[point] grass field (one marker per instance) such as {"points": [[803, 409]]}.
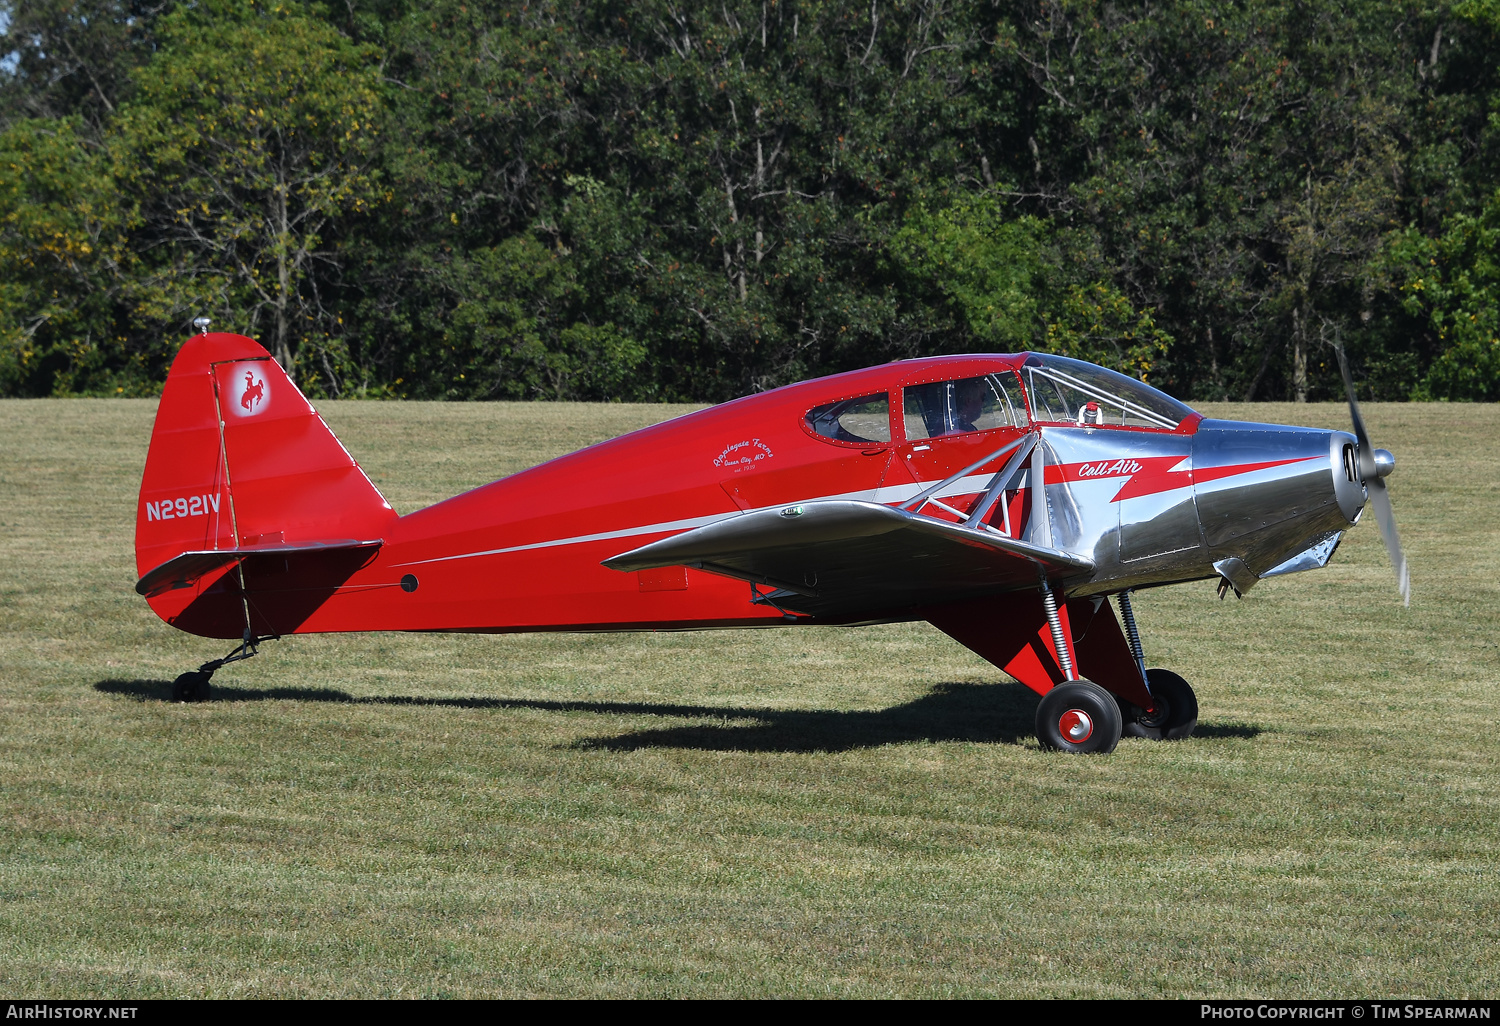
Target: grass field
{"points": [[812, 812]]}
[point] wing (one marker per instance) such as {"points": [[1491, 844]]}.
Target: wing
{"points": [[182, 570], [839, 557]]}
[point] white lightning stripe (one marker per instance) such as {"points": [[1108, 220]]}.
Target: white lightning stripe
{"points": [[578, 539], [885, 496]]}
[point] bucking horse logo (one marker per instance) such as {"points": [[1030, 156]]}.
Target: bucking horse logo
{"points": [[255, 391]]}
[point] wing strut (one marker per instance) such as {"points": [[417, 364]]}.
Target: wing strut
{"points": [[997, 486], [974, 519], [1041, 516], [916, 502]]}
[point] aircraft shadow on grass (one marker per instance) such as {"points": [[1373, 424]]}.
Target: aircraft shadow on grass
{"points": [[980, 713]]}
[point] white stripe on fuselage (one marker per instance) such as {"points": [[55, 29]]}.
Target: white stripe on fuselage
{"points": [[884, 496]]}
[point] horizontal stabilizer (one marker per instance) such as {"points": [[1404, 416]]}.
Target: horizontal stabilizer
{"points": [[184, 570], [841, 557]]}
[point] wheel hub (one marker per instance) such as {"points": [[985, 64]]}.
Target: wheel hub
{"points": [[1157, 715], [1076, 725]]}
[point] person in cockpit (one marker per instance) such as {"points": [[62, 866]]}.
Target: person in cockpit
{"points": [[968, 404]]}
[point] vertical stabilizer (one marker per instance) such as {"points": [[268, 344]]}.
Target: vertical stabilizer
{"points": [[240, 459]]}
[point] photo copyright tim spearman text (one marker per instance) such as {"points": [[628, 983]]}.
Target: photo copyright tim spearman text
{"points": [[1374, 1010]]}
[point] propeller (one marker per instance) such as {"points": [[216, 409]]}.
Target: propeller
{"points": [[1374, 465]]}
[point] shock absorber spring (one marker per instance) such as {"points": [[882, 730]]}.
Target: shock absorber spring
{"points": [[1059, 640], [1133, 635]]}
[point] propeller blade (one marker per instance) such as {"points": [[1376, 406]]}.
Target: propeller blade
{"points": [[1366, 450], [1386, 518], [1380, 498]]}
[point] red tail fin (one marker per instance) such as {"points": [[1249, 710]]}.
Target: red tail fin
{"points": [[240, 459]]}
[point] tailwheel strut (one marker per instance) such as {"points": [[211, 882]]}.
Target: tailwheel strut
{"points": [[193, 686], [1076, 715]]}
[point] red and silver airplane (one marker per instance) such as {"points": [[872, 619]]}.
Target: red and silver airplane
{"points": [[1002, 498]]}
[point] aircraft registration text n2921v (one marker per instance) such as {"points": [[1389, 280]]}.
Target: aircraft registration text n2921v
{"points": [[182, 506], [1015, 501]]}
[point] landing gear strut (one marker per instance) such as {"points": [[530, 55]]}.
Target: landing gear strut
{"points": [[1077, 715], [1175, 712], [193, 685]]}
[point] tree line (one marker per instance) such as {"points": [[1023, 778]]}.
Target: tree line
{"points": [[658, 200]]}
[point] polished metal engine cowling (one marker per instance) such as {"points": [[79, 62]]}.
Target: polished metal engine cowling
{"points": [[1267, 493]]}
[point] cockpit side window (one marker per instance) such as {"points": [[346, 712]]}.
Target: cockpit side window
{"points": [[1010, 386], [1059, 402], [865, 419], [967, 404]]}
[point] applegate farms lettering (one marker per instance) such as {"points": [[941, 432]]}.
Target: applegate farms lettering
{"points": [[739, 454]]}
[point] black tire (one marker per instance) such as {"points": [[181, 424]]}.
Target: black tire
{"points": [[1078, 716], [1176, 714], [192, 686]]}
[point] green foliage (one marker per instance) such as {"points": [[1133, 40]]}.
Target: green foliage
{"points": [[1097, 323], [72, 57], [600, 200], [1452, 285], [989, 268], [64, 265], [511, 332], [251, 131], [1007, 285]]}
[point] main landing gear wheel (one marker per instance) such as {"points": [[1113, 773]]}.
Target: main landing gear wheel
{"points": [[192, 686], [1176, 712], [1078, 716]]}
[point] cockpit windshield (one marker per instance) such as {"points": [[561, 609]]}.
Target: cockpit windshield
{"points": [[1074, 392]]}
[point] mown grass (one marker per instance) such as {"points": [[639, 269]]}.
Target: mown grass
{"points": [[804, 812]]}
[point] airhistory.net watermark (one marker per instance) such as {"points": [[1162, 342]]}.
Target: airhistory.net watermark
{"points": [[57, 1010]]}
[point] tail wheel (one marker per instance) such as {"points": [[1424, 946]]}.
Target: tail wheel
{"points": [[192, 686], [1078, 716], [1175, 714]]}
